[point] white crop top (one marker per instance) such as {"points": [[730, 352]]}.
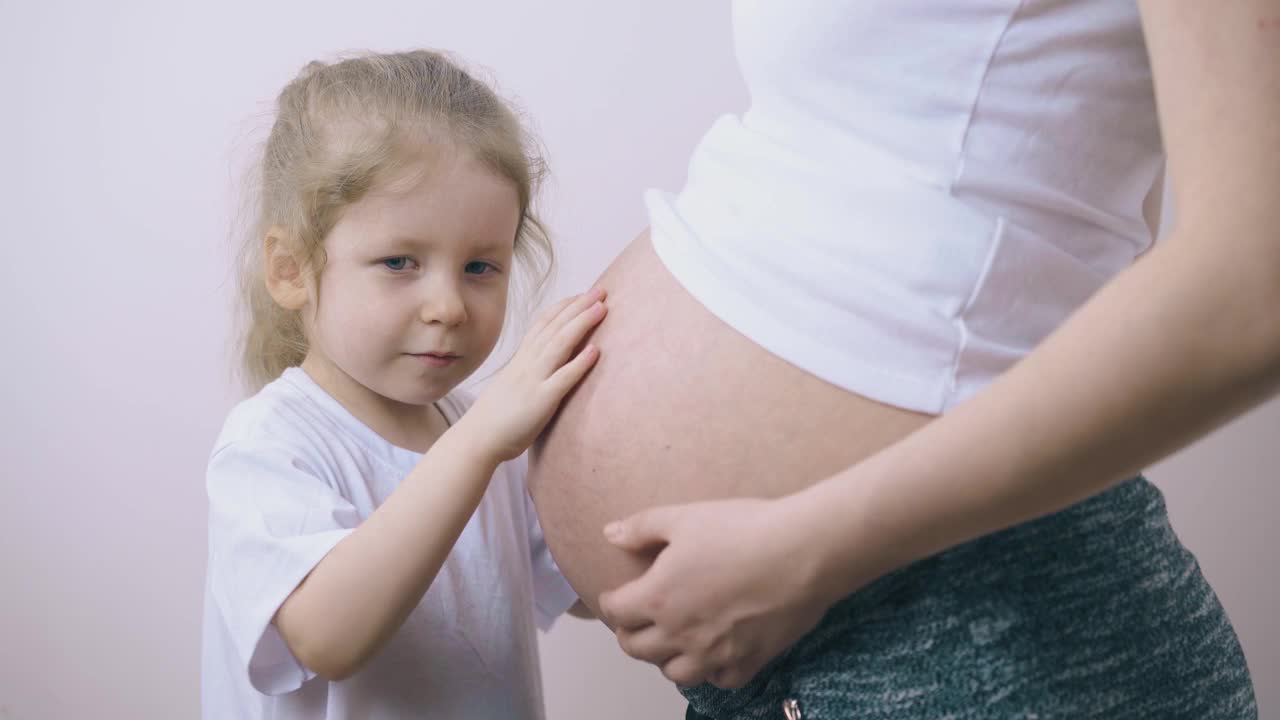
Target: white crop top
{"points": [[920, 191]]}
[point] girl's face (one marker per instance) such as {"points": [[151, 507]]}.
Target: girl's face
{"points": [[413, 293]]}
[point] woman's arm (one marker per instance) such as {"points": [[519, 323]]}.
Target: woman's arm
{"points": [[1176, 345], [1183, 341]]}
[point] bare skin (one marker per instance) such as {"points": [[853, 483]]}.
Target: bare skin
{"points": [[679, 408]]}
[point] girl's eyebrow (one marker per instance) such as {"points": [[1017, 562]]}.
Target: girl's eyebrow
{"points": [[400, 242], [410, 242]]}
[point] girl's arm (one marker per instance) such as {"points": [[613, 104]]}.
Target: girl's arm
{"points": [[362, 591], [1176, 345]]}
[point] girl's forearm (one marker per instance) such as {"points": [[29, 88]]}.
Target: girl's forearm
{"points": [[1179, 343], [361, 592]]}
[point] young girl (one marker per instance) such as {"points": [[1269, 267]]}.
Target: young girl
{"points": [[372, 549]]}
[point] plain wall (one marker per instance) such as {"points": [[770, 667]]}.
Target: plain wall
{"points": [[124, 129]]}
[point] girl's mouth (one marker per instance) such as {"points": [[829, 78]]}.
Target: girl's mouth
{"points": [[436, 359]]}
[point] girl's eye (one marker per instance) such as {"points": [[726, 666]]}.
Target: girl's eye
{"points": [[477, 267], [397, 263]]}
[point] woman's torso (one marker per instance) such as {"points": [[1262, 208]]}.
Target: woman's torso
{"points": [[918, 194], [681, 407]]}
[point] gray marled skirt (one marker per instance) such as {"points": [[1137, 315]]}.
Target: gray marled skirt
{"points": [[1097, 611]]}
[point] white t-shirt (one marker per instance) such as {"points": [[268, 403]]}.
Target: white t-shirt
{"points": [[920, 191], [291, 475]]}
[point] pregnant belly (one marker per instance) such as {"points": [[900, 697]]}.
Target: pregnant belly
{"points": [[681, 407]]}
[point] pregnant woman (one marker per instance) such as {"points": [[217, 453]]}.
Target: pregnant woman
{"points": [[877, 383]]}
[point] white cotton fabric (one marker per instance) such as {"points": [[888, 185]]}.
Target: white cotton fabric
{"points": [[292, 474], [919, 191]]}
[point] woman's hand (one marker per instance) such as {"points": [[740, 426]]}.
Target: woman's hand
{"points": [[521, 399], [732, 587]]}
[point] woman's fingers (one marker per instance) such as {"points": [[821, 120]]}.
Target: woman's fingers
{"points": [[686, 671], [646, 529], [627, 607], [733, 677], [649, 644]]}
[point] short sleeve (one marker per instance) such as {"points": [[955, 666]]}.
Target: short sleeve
{"points": [[552, 594], [271, 520]]}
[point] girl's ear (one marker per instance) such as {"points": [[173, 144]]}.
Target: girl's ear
{"points": [[285, 280]]}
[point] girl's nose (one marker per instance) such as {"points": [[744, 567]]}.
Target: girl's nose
{"points": [[443, 304]]}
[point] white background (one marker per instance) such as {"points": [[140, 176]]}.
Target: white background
{"points": [[124, 130]]}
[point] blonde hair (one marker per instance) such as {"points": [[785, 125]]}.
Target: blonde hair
{"points": [[339, 130]]}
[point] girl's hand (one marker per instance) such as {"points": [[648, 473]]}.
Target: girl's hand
{"points": [[521, 399], [733, 586]]}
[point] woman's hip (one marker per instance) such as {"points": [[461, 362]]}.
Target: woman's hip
{"points": [[1097, 611]]}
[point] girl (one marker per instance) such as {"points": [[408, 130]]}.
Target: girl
{"points": [[372, 549]]}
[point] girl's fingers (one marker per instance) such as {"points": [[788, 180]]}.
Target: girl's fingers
{"points": [[571, 373], [545, 317], [567, 313], [569, 336]]}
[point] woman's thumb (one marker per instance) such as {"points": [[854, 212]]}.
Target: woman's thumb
{"points": [[641, 530]]}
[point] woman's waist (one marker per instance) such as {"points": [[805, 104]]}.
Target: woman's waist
{"points": [[1021, 584]]}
